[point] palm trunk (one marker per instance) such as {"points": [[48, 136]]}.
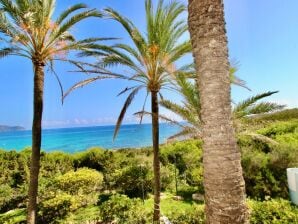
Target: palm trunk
{"points": [[223, 180], [156, 163], [36, 142]]}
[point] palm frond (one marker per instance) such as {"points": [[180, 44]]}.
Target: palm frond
{"points": [[242, 109], [68, 11], [84, 83], [51, 66], [132, 30], [180, 110], [7, 51], [127, 103], [67, 25], [186, 132], [265, 107]]}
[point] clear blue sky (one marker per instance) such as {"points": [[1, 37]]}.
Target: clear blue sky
{"points": [[262, 37]]}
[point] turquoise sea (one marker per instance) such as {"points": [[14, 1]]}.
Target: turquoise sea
{"points": [[81, 138]]}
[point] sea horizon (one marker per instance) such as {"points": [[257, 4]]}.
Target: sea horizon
{"points": [[75, 139]]}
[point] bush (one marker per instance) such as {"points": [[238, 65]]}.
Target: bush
{"points": [[55, 163], [66, 193], [50, 211], [272, 212], [194, 177], [124, 210], [134, 180], [82, 181], [94, 158], [265, 173], [16, 216], [195, 216], [280, 128]]}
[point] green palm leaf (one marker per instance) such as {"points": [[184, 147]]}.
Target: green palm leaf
{"points": [[127, 103]]}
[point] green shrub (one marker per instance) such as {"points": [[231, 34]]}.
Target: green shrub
{"points": [[194, 177], [273, 212], [50, 211], [82, 181], [94, 158], [55, 163], [124, 210], [16, 216], [265, 173], [167, 177], [182, 154], [194, 216], [134, 180], [187, 191], [280, 128], [6, 194]]}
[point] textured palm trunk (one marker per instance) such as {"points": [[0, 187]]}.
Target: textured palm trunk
{"points": [[156, 163], [36, 141], [223, 180]]}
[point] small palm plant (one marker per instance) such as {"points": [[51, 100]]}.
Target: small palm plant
{"points": [[189, 110], [151, 62], [29, 30]]}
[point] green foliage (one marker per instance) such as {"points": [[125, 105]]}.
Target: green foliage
{"points": [[134, 180], [82, 181], [186, 156], [284, 115], [94, 158], [194, 216], [67, 188], [280, 128], [67, 193], [183, 155], [153, 54], [15, 166], [272, 212], [264, 168], [251, 106], [13, 178], [124, 210], [90, 214], [56, 208], [55, 163], [16, 216]]}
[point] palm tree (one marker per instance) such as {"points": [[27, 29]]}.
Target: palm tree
{"points": [[189, 110], [28, 30], [151, 61], [223, 179]]}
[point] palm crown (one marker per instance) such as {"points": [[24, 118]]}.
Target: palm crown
{"points": [[29, 30], [152, 57]]}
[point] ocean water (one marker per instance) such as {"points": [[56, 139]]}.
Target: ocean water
{"points": [[81, 138]]}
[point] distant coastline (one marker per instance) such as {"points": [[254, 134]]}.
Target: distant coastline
{"points": [[5, 128]]}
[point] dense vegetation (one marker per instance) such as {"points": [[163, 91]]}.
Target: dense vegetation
{"points": [[109, 185]]}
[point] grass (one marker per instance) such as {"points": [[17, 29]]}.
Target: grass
{"points": [[168, 204]]}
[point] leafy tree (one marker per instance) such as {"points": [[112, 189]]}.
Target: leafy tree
{"points": [[29, 30]]}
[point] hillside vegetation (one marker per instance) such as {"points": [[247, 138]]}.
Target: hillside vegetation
{"points": [[108, 185]]}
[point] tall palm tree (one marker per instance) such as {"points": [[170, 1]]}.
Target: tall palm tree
{"points": [[151, 62], [29, 30], [189, 110], [223, 179]]}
